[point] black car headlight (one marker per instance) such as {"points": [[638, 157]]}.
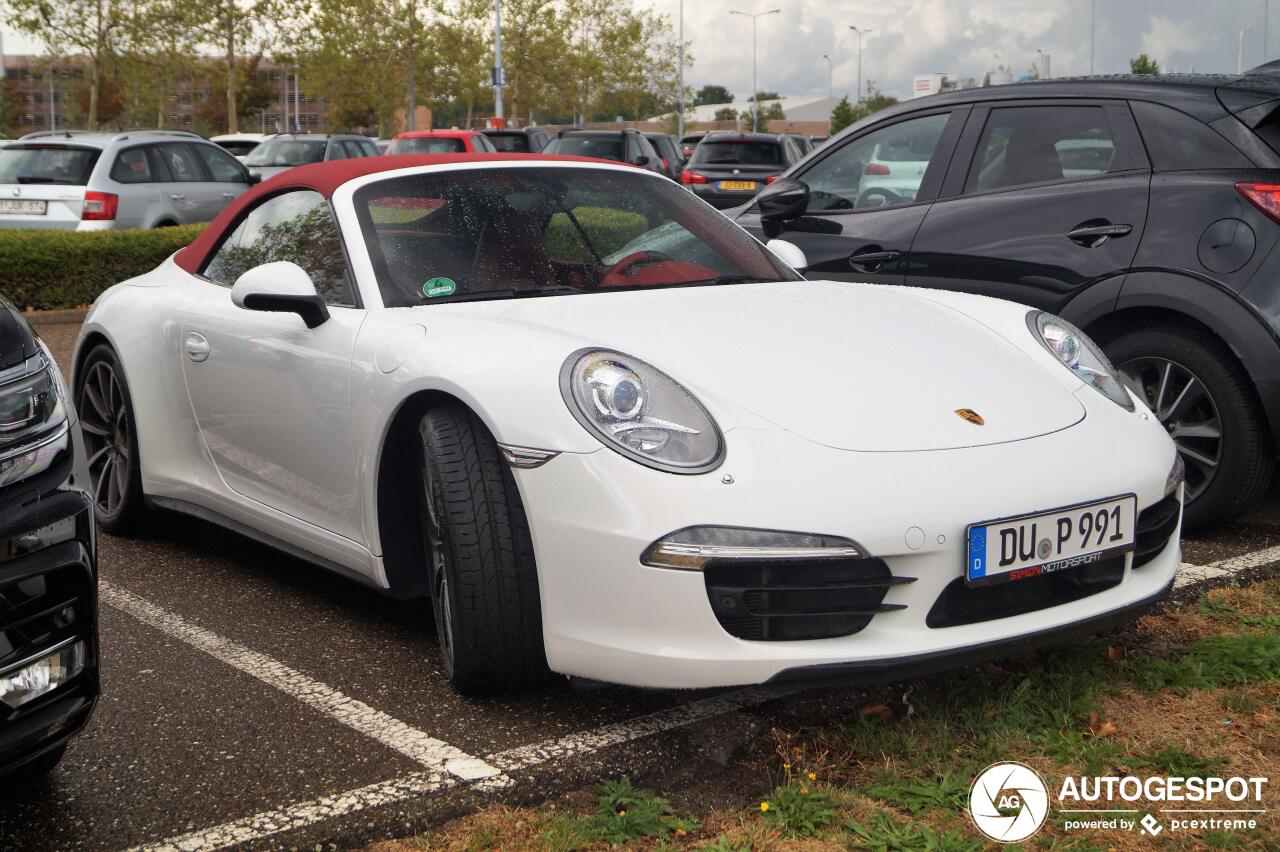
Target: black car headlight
{"points": [[34, 427], [640, 412]]}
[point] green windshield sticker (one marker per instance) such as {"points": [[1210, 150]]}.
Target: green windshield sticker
{"points": [[439, 287]]}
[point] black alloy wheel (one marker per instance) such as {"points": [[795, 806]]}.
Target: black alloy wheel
{"points": [[1183, 405]]}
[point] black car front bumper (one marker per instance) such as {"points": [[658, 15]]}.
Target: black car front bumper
{"points": [[895, 669], [48, 598]]}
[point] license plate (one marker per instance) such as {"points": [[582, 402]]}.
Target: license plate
{"points": [[1031, 545], [738, 184], [23, 205]]}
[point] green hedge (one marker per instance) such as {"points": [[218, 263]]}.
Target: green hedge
{"points": [[48, 269]]}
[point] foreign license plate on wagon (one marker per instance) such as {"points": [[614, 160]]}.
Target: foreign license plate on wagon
{"points": [[744, 185], [1031, 545], [23, 205]]}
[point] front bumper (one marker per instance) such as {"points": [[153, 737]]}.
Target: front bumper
{"points": [[608, 617], [48, 595]]}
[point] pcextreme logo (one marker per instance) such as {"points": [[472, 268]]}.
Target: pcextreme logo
{"points": [[1008, 802]]}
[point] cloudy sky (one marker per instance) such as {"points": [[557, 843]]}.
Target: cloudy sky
{"points": [[963, 37]]}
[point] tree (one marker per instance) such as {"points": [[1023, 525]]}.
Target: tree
{"points": [[1143, 64], [86, 28], [726, 114], [227, 27], [254, 94], [773, 112], [10, 107], [712, 95], [110, 99], [765, 96], [843, 115]]}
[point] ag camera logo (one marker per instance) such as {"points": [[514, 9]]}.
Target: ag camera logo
{"points": [[1008, 802]]}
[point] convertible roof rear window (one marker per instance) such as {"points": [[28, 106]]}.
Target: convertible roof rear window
{"points": [[506, 233]]}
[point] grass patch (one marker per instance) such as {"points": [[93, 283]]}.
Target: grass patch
{"points": [[1173, 760], [1217, 661], [885, 834], [918, 795], [624, 813], [798, 810]]}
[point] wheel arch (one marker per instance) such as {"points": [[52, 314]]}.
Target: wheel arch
{"points": [[397, 471], [1149, 298]]}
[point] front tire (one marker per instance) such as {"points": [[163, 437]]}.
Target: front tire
{"points": [[484, 582], [110, 441], [1205, 400]]}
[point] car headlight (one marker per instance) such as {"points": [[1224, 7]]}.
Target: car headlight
{"points": [[33, 419], [640, 412], [1080, 355]]}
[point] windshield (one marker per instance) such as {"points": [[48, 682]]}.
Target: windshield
{"points": [[286, 152], [739, 152], [602, 147], [238, 147], [506, 233], [427, 145], [47, 164], [510, 142]]}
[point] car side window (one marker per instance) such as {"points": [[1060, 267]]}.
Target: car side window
{"points": [[132, 166], [222, 166], [1025, 145], [295, 226], [180, 162], [369, 149], [880, 169], [1177, 142]]}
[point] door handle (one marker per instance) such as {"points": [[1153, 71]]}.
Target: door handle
{"points": [[177, 196], [228, 195], [197, 346], [1092, 236], [871, 261]]}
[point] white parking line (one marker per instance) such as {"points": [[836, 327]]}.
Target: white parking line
{"points": [[427, 750], [1188, 573], [417, 784]]}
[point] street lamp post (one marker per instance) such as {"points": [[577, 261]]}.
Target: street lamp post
{"points": [[1240, 50], [497, 62], [828, 58], [755, 88], [1093, 9], [680, 81], [860, 33]]}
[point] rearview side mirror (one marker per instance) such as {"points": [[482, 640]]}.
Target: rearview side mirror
{"points": [[642, 160], [784, 199], [280, 286]]}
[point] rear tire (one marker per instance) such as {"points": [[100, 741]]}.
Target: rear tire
{"points": [[1206, 391], [110, 441], [484, 582]]}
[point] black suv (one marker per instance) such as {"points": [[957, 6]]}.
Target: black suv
{"points": [[48, 568], [1142, 209], [669, 152], [621, 146], [728, 168], [520, 140]]}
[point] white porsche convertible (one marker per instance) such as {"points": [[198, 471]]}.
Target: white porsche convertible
{"points": [[609, 435]]}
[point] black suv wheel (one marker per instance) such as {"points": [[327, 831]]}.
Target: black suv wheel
{"points": [[1204, 400]]}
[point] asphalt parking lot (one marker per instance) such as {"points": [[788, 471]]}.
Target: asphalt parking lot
{"points": [[249, 698]]}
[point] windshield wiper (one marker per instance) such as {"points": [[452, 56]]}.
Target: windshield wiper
{"points": [[729, 279], [505, 293]]}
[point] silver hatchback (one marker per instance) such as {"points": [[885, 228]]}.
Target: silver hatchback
{"points": [[88, 181]]}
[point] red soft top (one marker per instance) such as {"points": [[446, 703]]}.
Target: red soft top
{"points": [[326, 177]]}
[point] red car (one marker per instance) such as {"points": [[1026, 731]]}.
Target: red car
{"points": [[441, 142]]}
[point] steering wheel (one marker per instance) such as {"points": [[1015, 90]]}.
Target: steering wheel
{"points": [[618, 272], [886, 196]]}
